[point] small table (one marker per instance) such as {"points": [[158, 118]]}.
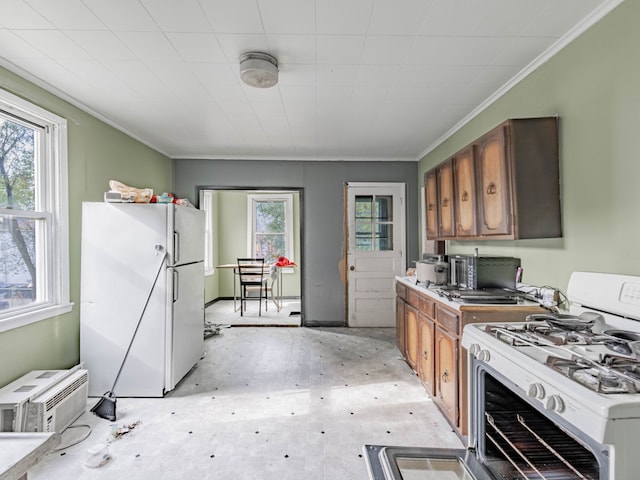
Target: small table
{"points": [[277, 299], [21, 451]]}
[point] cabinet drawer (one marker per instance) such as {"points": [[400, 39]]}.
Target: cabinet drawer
{"points": [[427, 307], [448, 319], [413, 298], [401, 290]]}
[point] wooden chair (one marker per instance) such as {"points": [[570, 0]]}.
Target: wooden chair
{"points": [[252, 279]]}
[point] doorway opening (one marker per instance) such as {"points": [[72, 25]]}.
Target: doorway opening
{"points": [[254, 222]]}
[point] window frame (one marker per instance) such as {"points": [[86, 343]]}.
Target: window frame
{"points": [[52, 183], [207, 205], [252, 198]]}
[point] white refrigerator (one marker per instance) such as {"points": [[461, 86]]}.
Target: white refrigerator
{"points": [[123, 247]]}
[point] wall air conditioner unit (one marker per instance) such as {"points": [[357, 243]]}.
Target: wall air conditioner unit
{"points": [[44, 400]]}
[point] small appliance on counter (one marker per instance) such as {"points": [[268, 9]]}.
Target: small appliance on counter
{"points": [[432, 270], [475, 272]]}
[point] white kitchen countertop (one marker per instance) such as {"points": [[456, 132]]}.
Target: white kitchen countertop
{"points": [[431, 292], [21, 451]]}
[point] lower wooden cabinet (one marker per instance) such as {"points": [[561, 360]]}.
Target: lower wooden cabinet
{"points": [[400, 342], [401, 295], [446, 375], [412, 346], [429, 335], [427, 354]]}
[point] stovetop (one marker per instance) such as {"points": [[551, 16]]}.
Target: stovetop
{"points": [[600, 361]]}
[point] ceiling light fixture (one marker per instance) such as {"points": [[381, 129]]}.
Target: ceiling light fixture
{"points": [[258, 69]]}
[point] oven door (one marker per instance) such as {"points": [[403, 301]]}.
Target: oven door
{"points": [[413, 463]]}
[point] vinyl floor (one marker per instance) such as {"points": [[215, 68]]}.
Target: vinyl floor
{"points": [[264, 403]]}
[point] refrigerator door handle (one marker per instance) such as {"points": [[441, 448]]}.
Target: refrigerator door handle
{"points": [[176, 248], [175, 285]]}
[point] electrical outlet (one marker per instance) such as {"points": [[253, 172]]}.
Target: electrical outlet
{"points": [[549, 297]]}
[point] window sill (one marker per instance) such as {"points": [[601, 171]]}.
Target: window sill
{"points": [[26, 318]]}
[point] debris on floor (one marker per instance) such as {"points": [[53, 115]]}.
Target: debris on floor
{"points": [[98, 455], [211, 329], [118, 432]]}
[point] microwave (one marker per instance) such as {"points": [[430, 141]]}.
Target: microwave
{"points": [[476, 272]]}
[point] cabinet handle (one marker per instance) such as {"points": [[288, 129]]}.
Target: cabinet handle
{"points": [[491, 189], [430, 207], [445, 376], [465, 196], [425, 354], [445, 202]]}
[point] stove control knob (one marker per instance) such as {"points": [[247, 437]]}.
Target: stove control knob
{"points": [[536, 390], [484, 355], [555, 403], [474, 349]]}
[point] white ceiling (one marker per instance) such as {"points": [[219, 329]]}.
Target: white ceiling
{"points": [[359, 79]]}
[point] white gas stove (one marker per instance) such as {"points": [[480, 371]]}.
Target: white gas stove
{"points": [[582, 368]]}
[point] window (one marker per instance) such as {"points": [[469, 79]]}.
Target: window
{"points": [[270, 225], [374, 223], [34, 257], [207, 205]]}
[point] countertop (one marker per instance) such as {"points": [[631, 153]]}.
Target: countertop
{"points": [[431, 292], [21, 451]]}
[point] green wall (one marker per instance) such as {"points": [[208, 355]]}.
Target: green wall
{"points": [[97, 153], [593, 85]]}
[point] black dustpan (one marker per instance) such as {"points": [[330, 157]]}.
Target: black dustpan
{"points": [[106, 406]]}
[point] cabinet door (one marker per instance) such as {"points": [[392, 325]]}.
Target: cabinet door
{"points": [[446, 373], [446, 227], [411, 335], [494, 195], [431, 203], [465, 191], [426, 363], [400, 339]]}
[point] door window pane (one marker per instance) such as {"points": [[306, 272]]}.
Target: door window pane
{"points": [[373, 222]]}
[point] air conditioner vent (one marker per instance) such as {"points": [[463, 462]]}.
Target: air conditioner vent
{"points": [[25, 388], [48, 374], [67, 391]]}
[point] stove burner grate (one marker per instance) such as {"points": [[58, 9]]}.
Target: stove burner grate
{"points": [[599, 378], [621, 347]]}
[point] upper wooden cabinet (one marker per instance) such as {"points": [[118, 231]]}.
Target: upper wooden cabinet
{"points": [[506, 184], [465, 193], [431, 203], [446, 225]]}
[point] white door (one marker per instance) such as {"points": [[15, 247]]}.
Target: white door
{"points": [[187, 227], [376, 240], [187, 321]]}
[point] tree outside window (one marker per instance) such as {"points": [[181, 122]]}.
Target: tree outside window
{"points": [[271, 226], [18, 280]]}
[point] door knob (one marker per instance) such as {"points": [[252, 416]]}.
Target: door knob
{"points": [[352, 268]]}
